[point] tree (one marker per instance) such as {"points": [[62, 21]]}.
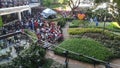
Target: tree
{"points": [[116, 16], [118, 7], [118, 2], [73, 4], [33, 57], [100, 1]]}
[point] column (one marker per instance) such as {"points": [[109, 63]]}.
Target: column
{"points": [[30, 11], [19, 16], [40, 1]]}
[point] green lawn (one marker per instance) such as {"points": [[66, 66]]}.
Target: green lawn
{"points": [[77, 23], [87, 47], [108, 25]]}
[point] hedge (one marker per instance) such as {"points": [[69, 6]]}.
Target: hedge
{"points": [[115, 25], [78, 31], [87, 47]]}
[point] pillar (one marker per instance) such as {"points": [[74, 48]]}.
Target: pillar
{"points": [[40, 1], [30, 11], [19, 16]]}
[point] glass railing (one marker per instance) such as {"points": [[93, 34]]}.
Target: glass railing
{"points": [[10, 4]]}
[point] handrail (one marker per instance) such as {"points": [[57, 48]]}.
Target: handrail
{"points": [[12, 22], [10, 34]]}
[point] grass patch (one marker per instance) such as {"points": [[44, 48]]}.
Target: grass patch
{"points": [[113, 26], [87, 47], [77, 23]]}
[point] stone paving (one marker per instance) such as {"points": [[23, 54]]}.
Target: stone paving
{"points": [[72, 63], [65, 31]]}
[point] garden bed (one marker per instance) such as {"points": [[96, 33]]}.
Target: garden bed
{"points": [[108, 38], [79, 31]]}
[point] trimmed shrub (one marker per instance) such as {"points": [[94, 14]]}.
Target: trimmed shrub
{"points": [[86, 47], [78, 31], [115, 25]]}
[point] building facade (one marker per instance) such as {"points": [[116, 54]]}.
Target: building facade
{"points": [[12, 3]]}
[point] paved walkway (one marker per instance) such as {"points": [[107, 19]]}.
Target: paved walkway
{"points": [[65, 31], [72, 63], [116, 63]]}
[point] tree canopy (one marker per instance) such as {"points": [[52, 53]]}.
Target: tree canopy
{"points": [[100, 1], [118, 2]]}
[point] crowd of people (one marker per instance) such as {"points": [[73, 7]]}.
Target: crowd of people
{"points": [[45, 30], [12, 3]]}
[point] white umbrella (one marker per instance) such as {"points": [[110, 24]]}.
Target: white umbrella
{"points": [[47, 12]]}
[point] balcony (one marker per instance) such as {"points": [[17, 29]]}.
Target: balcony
{"points": [[4, 11]]}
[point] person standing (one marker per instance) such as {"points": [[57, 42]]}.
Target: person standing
{"points": [[96, 21], [36, 24], [4, 31]]}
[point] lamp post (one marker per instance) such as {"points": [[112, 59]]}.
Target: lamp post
{"points": [[94, 63], [104, 23], [66, 60]]}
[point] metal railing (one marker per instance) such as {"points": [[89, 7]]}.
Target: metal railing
{"points": [[67, 52]]}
